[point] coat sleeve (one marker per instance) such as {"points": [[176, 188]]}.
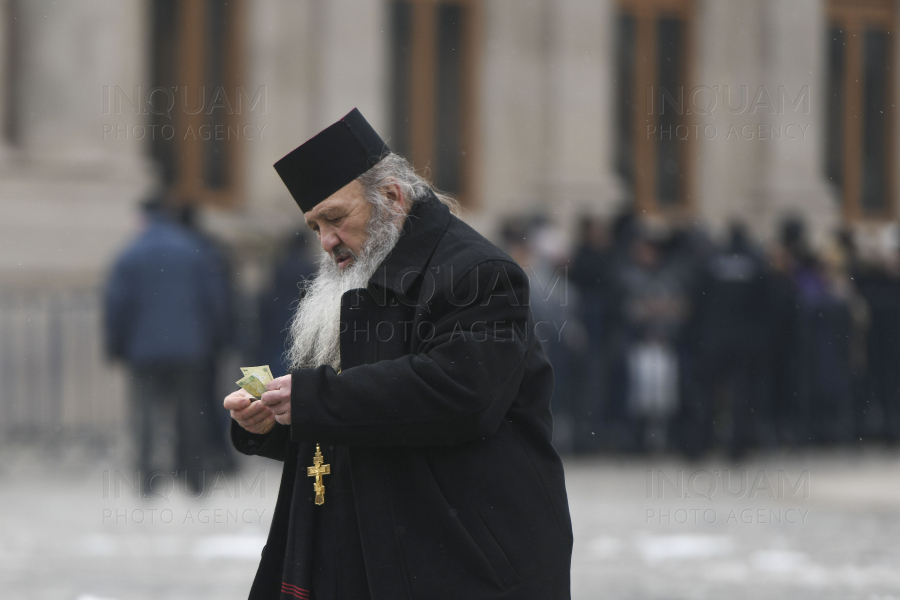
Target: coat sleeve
{"points": [[456, 389], [272, 445]]}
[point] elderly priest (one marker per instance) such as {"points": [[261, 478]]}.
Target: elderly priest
{"points": [[415, 423]]}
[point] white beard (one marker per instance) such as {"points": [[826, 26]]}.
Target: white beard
{"points": [[314, 337]]}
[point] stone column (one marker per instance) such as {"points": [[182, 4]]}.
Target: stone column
{"points": [[728, 46], [511, 110], [761, 158], [280, 64], [579, 128], [72, 59], [352, 60], [68, 192], [547, 110], [793, 181], [314, 60]]}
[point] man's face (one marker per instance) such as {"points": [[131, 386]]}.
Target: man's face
{"points": [[340, 223]]}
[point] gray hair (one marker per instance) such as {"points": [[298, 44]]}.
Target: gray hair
{"points": [[414, 187]]}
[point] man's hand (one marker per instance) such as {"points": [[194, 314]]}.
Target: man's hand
{"points": [[278, 399], [252, 416]]}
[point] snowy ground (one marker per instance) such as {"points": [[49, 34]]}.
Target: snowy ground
{"points": [[817, 525]]}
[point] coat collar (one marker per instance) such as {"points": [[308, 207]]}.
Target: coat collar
{"points": [[421, 233]]}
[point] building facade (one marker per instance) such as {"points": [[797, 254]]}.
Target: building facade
{"points": [[688, 110]]}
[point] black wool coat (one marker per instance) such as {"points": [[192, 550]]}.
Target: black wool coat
{"points": [[443, 481]]}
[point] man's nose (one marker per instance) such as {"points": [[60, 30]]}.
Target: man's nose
{"points": [[329, 239]]}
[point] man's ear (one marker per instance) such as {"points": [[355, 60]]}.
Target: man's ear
{"points": [[394, 193]]}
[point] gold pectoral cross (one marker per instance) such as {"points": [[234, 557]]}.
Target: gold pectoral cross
{"points": [[317, 470]]}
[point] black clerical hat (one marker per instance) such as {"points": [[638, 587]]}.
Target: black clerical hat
{"points": [[331, 160]]}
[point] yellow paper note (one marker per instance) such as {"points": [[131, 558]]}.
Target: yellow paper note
{"points": [[263, 371], [253, 384]]}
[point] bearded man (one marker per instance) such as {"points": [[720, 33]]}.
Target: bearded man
{"points": [[417, 379]]}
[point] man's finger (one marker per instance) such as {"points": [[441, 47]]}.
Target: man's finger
{"points": [[236, 403], [237, 400], [248, 410], [254, 421], [272, 398], [254, 409], [262, 416]]}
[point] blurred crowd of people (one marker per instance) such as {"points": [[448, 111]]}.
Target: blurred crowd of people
{"points": [[663, 339]]}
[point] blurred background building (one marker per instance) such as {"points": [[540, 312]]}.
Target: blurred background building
{"points": [[681, 115]]}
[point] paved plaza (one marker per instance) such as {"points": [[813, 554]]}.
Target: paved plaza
{"points": [[817, 525]]}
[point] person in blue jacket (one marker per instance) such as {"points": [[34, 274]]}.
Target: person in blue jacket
{"points": [[164, 312]]}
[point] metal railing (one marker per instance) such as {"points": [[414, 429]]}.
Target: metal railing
{"points": [[54, 380]]}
